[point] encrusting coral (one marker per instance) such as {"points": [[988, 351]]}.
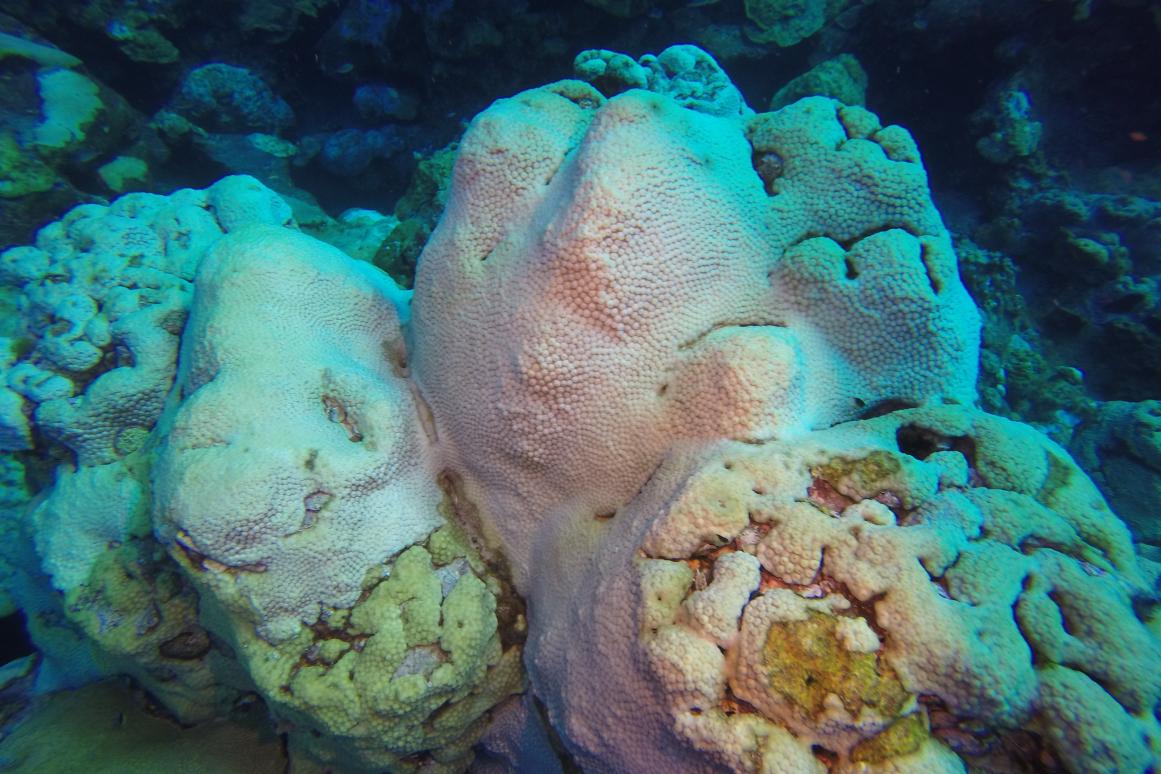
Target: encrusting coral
{"points": [[922, 590], [670, 465], [103, 296]]}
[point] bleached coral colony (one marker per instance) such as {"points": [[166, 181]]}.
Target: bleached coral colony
{"points": [[669, 463]]}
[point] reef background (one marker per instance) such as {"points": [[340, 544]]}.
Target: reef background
{"points": [[1039, 125]]}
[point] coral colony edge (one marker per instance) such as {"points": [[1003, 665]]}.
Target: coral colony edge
{"points": [[669, 462]]}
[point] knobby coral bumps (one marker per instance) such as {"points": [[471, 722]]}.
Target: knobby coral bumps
{"points": [[927, 590], [608, 470]]}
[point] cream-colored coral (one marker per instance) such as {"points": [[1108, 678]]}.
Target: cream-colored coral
{"points": [[102, 298], [104, 294], [295, 461], [405, 679], [873, 641], [635, 331], [294, 484], [714, 609]]}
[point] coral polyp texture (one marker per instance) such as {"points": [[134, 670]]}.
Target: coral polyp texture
{"points": [[290, 475], [669, 464], [293, 464], [931, 590], [615, 276], [103, 295]]}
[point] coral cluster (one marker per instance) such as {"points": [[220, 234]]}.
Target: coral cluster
{"points": [[102, 299], [669, 463]]}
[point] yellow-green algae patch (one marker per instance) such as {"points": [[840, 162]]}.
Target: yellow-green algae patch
{"points": [[404, 680], [903, 737], [123, 173], [21, 172], [868, 474], [805, 662]]}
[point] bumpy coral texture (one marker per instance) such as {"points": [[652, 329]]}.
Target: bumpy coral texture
{"points": [[405, 680], [104, 293], [613, 277], [295, 486], [685, 73], [925, 591], [787, 22], [103, 296], [295, 462]]}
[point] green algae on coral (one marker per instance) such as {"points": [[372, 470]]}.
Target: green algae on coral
{"points": [[903, 737], [408, 675], [806, 663], [21, 173]]}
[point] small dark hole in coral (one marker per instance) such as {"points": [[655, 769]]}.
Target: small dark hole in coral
{"points": [[823, 754], [769, 166], [919, 442], [189, 645], [14, 638], [922, 442], [888, 406], [852, 270], [604, 516]]}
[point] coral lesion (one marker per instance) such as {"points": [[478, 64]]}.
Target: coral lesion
{"points": [[336, 411]]}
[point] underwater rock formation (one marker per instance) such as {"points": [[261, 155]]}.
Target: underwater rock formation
{"points": [[222, 98], [61, 130]]}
